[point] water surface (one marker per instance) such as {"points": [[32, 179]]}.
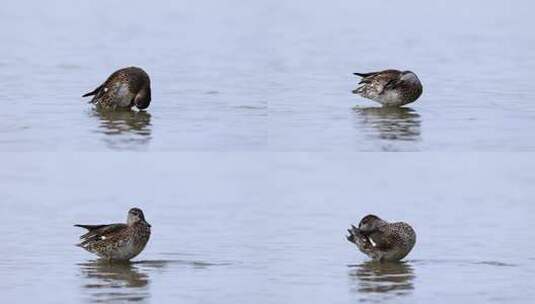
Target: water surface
{"points": [[269, 227], [254, 102], [268, 75]]}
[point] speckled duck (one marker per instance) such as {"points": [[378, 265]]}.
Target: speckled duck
{"points": [[125, 88], [391, 88], [117, 242], [381, 240]]}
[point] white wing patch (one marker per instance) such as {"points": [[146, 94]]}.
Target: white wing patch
{"points": [[372, 242]]}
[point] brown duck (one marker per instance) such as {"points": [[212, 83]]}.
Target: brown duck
{"points": [[125, 88], [391, 88], [381, 240], [117, 242]]}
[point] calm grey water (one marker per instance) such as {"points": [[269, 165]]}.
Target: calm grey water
{"points": [[268, 75], [269, 227], [253, 101]]}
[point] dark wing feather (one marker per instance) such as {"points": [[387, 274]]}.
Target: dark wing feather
{"points": [[379, 77], [391, 84], [364, 75], [89, 227], [383, 238], [357, 237], [100, 89], [394, 77], [96, 232], [94, 92]]}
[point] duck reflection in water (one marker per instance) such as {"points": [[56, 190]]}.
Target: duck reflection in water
{"points": [[114, 282], [124, 129], [390, 123], [123, 121], [378, 281]]}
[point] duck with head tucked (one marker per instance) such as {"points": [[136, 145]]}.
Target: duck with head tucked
{"points": [[391, 88], [125, 88], [381, 240]]}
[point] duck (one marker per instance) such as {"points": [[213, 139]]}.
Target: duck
{"points": [[117, 242], [391, 88], [382, 241], [124, 89]]}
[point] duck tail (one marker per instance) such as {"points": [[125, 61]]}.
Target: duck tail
{"points": [[353, 234], [364, 75], [89, 227], [94, 92]]}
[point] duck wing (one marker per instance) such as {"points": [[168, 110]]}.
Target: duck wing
{"points": [[101, 89], [99, 232], [358, 238], [383, 238], [381, 77]]}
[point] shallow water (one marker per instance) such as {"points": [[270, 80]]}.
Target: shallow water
{"points": [[254, 102], [269, 227], [273, 75]]}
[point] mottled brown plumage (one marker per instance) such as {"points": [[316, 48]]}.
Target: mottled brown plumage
{"points": [[124, 88], [391, 88], [382, 241], [117, 242]]}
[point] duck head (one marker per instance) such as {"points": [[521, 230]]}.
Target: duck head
{"points": [[135, 215], [370, 223], [142, 99]]}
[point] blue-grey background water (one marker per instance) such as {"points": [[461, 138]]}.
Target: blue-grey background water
{"points": [[269, 227], [253, 101], [268, 75]]}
